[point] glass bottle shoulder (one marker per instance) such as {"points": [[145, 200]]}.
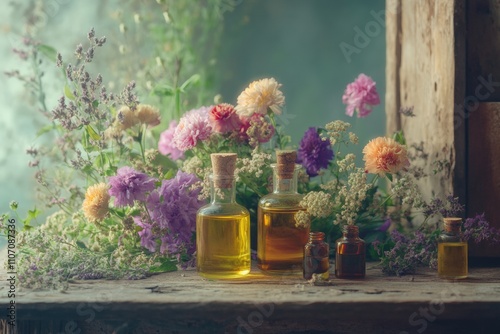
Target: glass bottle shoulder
{"points": [[450, 237], [280, 201], [218, 209], [344, 240]]}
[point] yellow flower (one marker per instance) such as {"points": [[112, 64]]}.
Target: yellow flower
{"points": [[148, 115], [384, 155], [95, 205], [259, 96], [126, 118]]}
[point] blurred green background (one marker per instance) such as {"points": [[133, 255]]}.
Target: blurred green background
{"points": [[296, 41]]}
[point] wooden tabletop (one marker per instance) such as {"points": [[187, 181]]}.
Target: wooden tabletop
{"points": [[183, 302]]}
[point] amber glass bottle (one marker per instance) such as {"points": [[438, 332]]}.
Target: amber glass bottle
{"points": [[223, 226], [280, 244], [452, 251], [316, 253], [350, 254]]}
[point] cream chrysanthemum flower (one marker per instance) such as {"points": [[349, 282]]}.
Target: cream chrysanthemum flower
{"points": [[148, 115], [259, 96], [96, 204], [385, 155]]}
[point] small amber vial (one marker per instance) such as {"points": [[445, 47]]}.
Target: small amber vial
{"points": [[452, 251], [350, 257], [316, 253]]}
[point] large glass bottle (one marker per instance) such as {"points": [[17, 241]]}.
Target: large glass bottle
{"points": [[452, 251], [350, 256], [316, 257], [223, 226], [280, 243]]}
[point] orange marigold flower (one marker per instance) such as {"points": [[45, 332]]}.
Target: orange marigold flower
{"points": [[385, 155], [96, 204]]}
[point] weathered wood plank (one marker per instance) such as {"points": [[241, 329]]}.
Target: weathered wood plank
{"points": [[183, 302], [393, 52], [425, 57], [484, 169], [483, 49]]}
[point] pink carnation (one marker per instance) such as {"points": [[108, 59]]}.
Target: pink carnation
{"points": [[194, 126], [361, 95], [166, 143], [223, 118]]}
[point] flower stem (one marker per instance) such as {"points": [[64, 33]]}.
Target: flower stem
{"points": [[142, 141], [277, 131]]}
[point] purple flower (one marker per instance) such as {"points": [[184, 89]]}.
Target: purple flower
{"points": [[385, 226], [172, 207], [166, 143], [314, 153], [478, 229], [130, 185], [361, 95], [449, 208], [147, 238]]}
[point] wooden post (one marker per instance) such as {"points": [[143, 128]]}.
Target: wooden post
{"points": [[425, 71], [442, 59]]}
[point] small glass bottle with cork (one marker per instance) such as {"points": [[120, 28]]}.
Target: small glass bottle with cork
{"points": [[280, 243], [223, 226], [452, 251]]}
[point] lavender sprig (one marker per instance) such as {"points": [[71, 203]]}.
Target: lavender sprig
{"points": [[408, 252], [448, 208], [477, 229]]}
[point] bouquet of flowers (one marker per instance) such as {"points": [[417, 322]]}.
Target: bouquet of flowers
{"points": [[126, 201]]}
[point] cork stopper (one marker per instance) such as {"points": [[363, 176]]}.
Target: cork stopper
{"points": [[223, 165], [452, 224], [285, 163]]}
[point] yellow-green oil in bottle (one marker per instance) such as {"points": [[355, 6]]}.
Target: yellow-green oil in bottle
{"points": [[452, 260], [223, 243]]}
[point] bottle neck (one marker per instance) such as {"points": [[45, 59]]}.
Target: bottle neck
{"points": [[350, 231], [316, 237], [283, 184], [222, 189]]}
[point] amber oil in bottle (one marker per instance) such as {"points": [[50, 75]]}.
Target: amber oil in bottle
{"points": [[280, 243], [350, 257], [316, 253], [452, 251], [223, 226]]}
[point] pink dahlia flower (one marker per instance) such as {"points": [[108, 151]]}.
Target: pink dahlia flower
{"points": [[256, 129], [360, 96], [166, 143], [223, 118], [194, 126]]}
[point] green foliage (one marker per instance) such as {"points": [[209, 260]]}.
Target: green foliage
{"points": [[175, 42]]}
